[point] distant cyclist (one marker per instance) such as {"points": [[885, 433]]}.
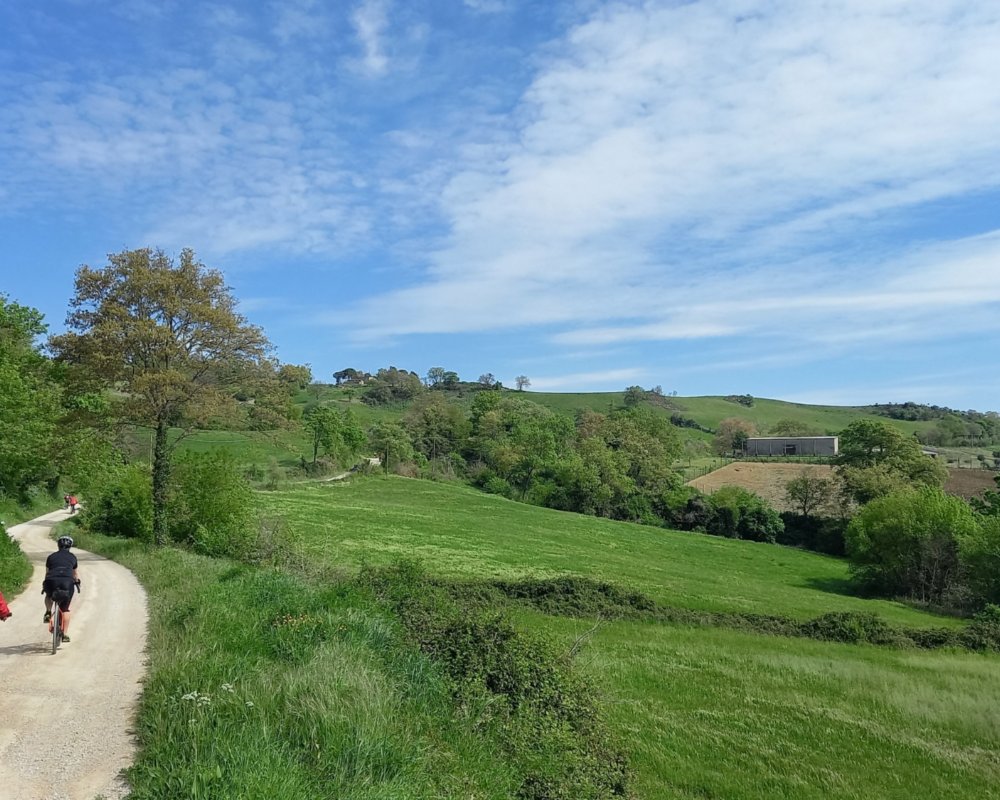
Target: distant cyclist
{"points": [[60, 580]]}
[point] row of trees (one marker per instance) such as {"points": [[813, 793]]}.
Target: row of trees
{"points": [[390, 385]]}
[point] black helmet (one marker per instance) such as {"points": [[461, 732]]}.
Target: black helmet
{"points": [[65, 542]]}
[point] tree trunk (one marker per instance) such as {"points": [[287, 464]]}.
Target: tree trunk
{"points": [[161, 477]]}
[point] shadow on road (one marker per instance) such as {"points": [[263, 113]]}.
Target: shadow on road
{"points": [[29, 649]]}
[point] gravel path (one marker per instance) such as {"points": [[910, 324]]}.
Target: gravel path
{"points": [[66, 719]]}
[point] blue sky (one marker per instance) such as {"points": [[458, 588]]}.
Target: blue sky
{"points": [[795, 200]]}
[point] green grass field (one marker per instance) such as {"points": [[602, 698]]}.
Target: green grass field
{"points": [[710, 411], [726, 714], [458, 531], [704, 713]]}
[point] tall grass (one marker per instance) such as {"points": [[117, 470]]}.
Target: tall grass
{"points": [[726, 714], [267, 685]]}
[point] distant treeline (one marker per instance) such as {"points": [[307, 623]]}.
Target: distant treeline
{"points": [[954, 428]]}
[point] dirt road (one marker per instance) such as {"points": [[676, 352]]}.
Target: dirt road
{"points": [[66, 719]]}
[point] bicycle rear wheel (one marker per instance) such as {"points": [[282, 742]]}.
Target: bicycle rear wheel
{"points": [[56, 628]]}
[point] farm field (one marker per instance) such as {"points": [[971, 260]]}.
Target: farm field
{"points": [[458, 531], [766, 479], [969, 482], [703, 712]]}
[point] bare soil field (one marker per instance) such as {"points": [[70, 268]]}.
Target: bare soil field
{"points": [[765, 479], [969, 482], [768, 480]]}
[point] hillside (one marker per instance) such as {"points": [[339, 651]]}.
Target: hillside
{"points": [[704, 712], [461, 532]]}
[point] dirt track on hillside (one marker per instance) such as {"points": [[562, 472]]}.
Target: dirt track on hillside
{"points": [[66, 719]]}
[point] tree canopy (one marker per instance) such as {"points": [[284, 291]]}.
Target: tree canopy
{"points": [[29, 400], [167, 339]]}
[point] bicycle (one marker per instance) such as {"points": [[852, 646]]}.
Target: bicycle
{"points": [[58, 598]]}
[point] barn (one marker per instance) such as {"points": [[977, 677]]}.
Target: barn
{"points": [[792, 446]]}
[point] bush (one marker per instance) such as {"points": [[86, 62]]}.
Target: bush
{"points": [[212, 508], [739, 514], [518, 686], [853, 627], [821, 534], [984, 631], [907, 543], [123, 506], [15, 569]]}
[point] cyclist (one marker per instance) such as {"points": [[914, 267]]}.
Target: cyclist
{"points": [[60, 579]]}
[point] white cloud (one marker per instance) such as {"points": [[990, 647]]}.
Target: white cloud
{"points": [[370, 20], [689, 171], [588, 381]]}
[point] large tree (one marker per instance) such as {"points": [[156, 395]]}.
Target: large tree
{"points": [[166, 339], [877, 459], [29, 400]]}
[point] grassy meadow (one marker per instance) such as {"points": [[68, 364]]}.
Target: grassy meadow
{"points": [[726, 714], [703, 712], [264, 685], [458, 531]]}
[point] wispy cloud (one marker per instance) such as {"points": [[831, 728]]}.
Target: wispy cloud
{"points": [[370, 20], [593, 381], [671, 168]]}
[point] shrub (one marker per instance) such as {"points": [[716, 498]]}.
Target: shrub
{"points": [[123, 506], [518, 686], [821, 534], [984, 631], [740, 514], [907, 543], [212, 506], [853, 627]]}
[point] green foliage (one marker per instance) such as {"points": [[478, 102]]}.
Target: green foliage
{"points": [[15, 569], [122, 503], [438, 428], [740, 514], [821, 534], [908, 543], [634, 395], [29, 401], [522, 690], [979, 555], [295, 376], [168, 340], [793, 427], [391, 385], [212, 507], [877, 459], [809, 494], [989, 503], [334, 433], [391, 443]]}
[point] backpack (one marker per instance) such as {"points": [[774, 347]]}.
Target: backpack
{"points": [[4, 611]]}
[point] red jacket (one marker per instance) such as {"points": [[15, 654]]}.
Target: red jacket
{"points": [[4, 611]]}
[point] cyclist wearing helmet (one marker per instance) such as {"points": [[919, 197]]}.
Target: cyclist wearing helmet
{"points": [[60, 580]]}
